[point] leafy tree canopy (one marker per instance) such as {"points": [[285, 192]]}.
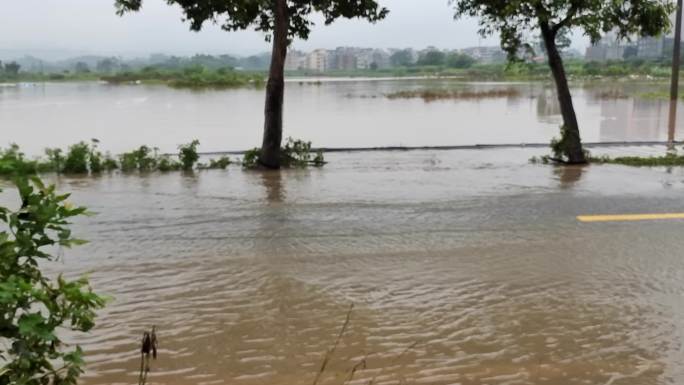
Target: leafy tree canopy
{"points": [[514, 20], [233, 15], [434, 58], [402, 58]]}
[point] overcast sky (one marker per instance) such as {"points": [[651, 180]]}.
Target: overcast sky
{"points": [[55, 27]]}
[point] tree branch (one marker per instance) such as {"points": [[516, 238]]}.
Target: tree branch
{"points": [[565, 21]]}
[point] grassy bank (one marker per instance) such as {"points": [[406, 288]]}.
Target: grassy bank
{"points": [[191, 77]]}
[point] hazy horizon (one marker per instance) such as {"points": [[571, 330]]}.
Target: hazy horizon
{"points": [[56, 29]]}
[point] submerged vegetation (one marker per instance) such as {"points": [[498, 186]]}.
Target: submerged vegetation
{"points": [[83, 158], [670, 159], [189, 77], [294, 154], [431, 95], [34, 305]]}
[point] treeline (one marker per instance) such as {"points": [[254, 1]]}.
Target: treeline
{"points": [[86, 158], [9, 70]]}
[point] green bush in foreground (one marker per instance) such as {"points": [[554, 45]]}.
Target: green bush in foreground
{"points": [[33, 306]]}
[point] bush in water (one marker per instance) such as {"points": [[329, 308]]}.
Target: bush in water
{"points": [[188, 154]]}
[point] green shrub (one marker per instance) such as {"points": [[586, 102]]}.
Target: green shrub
{"points": [[220, 163], [76, 161], [34, 306], [96, 161], [165, 164], [138, 160], [295, 153], [251, 158], [13, 162], [55, 159], [109, 163], [188, 155]]}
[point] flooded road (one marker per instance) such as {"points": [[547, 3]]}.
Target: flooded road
{"points": [[342, 113], [464, 267]]}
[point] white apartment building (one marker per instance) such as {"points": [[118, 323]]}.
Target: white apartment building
{"points": [[317, 60]]}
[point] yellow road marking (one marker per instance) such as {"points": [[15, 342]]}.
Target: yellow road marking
{"points": [[629, 217]]}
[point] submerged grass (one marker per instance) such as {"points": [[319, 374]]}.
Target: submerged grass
{"points": [[440, 94], [668, 160], [611, 94]]}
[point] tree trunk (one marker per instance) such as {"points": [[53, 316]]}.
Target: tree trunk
{"points": [[275, 90], [572, 142]]}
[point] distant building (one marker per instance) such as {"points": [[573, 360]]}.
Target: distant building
{"points": [[609, 48], [651, 47], [317, 60], [295, 61], [381, 59], [364, 58], [342, 58], [486, 55]]}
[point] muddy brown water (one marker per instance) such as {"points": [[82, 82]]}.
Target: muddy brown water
{"points": [[341, 113], [464, 267]]}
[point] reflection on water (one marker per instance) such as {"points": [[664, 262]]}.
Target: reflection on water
{"points": [[569, 175], [332, 114], [273, 183], [634, 119], [464, 267]]}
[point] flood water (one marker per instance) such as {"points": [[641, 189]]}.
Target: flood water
{"points": [[338, 113], [464, 267]]}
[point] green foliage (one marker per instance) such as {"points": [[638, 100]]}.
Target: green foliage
{"points": [[234, 15], [188, 154], [403, 58], [432, 58], [296, 153], [95, 159], [560, 147], [76, 161], [140, 159], [669, 160], [55, 158], [194, 76], [9, 71], [13, 162], [81, 158], [109, 163], [459, 60], [251, 158], [166, 164], [33, 306], [221, 164]]}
